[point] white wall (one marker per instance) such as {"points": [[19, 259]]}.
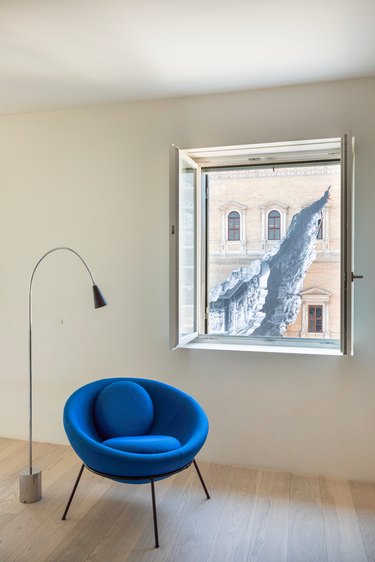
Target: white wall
{"points": [[97, 179]]}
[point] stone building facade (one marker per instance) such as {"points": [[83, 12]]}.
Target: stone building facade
{"points": [[249, 212]]}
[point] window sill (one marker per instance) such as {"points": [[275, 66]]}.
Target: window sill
{"points": [[286, 346]]}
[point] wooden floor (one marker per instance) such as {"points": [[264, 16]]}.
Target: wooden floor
{"points": [[254, 515]]}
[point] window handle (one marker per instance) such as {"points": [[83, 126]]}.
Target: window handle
{"points": [[356, 276]]}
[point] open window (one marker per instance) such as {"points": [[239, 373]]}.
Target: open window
{"points": [[272, 201]]}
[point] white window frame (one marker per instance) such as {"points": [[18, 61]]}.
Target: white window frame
{"points": [[279, 153]]}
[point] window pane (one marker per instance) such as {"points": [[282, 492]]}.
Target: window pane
{"points": [[187, 248], [256, 290], [234, 226], [320, 229], [274, 230]]}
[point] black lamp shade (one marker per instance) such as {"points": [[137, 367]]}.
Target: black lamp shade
{"points": [[99, 300]]}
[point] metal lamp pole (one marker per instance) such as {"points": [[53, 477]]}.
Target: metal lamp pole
{"points": [[30, 477]]}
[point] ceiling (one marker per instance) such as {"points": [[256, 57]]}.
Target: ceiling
{"points": [[56, 54]]}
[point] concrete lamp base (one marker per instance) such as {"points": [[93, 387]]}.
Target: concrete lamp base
{"points": [[30, 485]]}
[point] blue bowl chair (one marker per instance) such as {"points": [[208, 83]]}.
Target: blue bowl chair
{"points": [[135, 431]]}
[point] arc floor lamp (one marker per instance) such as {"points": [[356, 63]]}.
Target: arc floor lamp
{"points": [[30, 477]]}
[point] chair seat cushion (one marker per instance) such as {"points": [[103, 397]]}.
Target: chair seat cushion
{"points": [[123, 408], [146, 444]]}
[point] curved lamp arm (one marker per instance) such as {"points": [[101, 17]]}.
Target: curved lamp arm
{"points": [[99, 301]]}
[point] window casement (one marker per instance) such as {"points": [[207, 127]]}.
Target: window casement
{"points": [[274, 225], [315, 318], [234, 226], [256, 297], [319, 236]]}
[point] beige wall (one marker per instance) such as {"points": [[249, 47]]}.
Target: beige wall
{"points": [[97, 179]]}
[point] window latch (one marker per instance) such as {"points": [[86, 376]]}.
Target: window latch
{"points": [[356, 276]]}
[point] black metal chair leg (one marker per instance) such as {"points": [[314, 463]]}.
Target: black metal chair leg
{"points": [[154, 514], [201, 479], [73, 492]]}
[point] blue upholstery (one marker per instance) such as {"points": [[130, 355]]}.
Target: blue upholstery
{"points": [[123, 408], [172, 429], [145, 444]]}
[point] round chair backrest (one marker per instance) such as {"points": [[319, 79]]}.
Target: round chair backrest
{"points": [[123, 408]]}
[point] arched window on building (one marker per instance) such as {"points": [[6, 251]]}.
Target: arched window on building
{"points": [[274, 225], [234, 226]]}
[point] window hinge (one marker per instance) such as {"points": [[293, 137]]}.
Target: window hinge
{"points": [[206, 313]]}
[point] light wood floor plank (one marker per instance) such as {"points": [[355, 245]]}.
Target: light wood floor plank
{"points": [[343, 537], [49, 456], [231, 542], [81, 539], [189, 532], [171, 499], [363, 494], [255, 516], [200, 517], [120, 539], [132, 533], [12, 459], [306, 540], [43, 519], [269, 539]]}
